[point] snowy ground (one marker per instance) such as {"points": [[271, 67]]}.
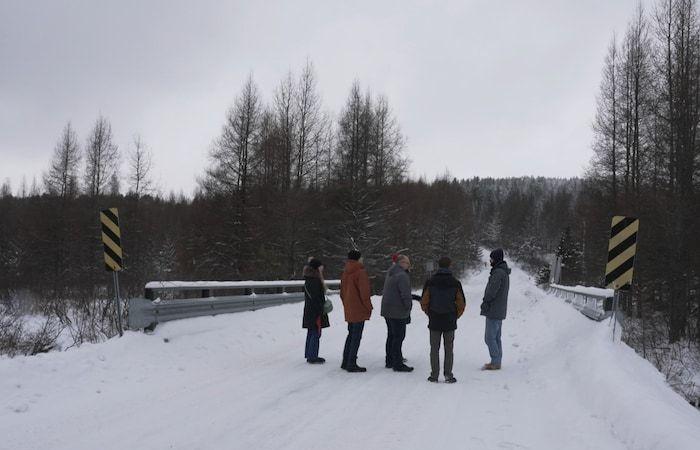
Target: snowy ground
{"points": [[240, 381]]}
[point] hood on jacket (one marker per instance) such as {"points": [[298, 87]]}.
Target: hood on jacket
{"points": [[501, 265], [311, 272]]}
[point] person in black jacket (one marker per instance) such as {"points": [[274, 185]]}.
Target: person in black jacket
{"points": [[314, 318], [444, 302]]}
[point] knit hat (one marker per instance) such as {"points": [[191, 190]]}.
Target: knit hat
{"points": [[354, 254], [315, 263], [497, 255]]}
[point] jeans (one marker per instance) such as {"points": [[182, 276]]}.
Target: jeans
{"points": [[397, 331], [449, 338], [389, 339], [492, 337], [313, 337], [352, 344]]}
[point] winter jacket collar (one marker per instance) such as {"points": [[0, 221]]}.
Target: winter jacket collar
{"points": [[310, 272], [501, 265], [352, 266], [396, 268]]}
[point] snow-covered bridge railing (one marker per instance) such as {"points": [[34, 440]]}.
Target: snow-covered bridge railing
{"points": [[212, 298], [595, 303]]}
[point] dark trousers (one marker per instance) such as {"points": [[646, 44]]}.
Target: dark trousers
{"points": [[313, 338], [389, 339], [352, 344], [396, 335], [449, 338]]}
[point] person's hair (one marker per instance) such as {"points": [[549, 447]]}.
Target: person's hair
{"points": [[402, 258], [354, 255], [444, 262], [315, 271]]}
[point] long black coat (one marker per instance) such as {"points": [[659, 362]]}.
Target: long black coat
{"points": [[314, 297]]}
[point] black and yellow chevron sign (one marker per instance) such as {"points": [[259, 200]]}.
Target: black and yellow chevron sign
{"points": [[111, 238], [621, 251]]}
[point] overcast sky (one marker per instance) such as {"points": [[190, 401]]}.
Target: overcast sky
{"points": [[480, 88]]}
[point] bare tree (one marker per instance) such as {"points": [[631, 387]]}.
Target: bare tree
{"points": [[606, 124], [140, 166], [6, 189], [23, 190], [62, 176], [285, 110], [231, 156], [387, 163], [35, 190], [115, 185], [101, 158], [349, 139], [323, 154], [309, 121]]}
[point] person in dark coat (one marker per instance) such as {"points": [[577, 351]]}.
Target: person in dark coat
{"points": [[444, 302], [389, 336], [357, 304], [314, 318], [396, 308], [494, 307]]}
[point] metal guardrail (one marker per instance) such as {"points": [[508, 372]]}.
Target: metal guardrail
{"points": [[147, 312], [596, 304]]}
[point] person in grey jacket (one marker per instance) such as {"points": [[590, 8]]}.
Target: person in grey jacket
{"points": [[494, 307], [396, 309]]}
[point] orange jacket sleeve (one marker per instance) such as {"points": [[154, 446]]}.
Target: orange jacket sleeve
{"points": [[460, 301], [425, 300]]}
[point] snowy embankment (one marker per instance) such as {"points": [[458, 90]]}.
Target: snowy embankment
{"points": [[240, 381]]}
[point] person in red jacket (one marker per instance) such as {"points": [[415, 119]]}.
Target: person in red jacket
{"points": [[355, 294]]}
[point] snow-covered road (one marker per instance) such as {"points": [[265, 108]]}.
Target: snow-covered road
{"points": [[240, 381]]}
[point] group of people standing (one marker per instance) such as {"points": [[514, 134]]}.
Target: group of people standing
{"points": [[442, 299]]}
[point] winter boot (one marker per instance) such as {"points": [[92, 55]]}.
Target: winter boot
{"points": [[489, 366]]}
